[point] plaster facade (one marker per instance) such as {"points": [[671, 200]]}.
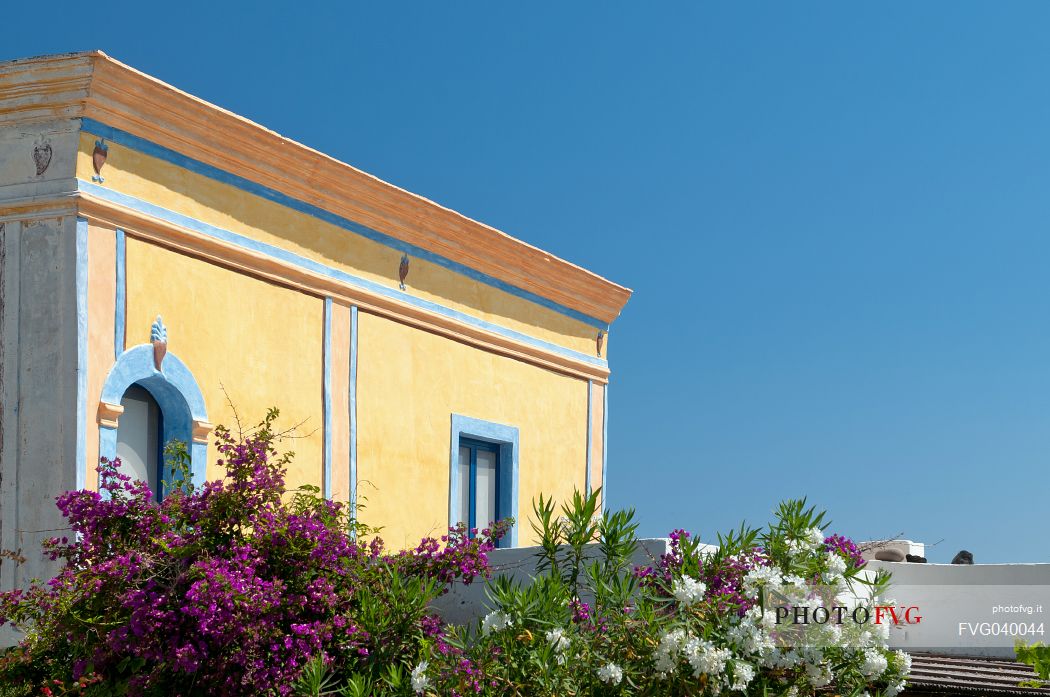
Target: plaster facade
{"points": [[149, 238]]}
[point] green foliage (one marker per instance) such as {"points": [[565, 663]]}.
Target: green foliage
{"points": [[237, 587], [689, 624], [177, 462], [315, 680], [244, 587], [15, 690], [1036, 655]]}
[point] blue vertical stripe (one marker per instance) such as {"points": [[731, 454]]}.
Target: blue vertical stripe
{"points": [[353, 411], [82, 349], [120, 305], [590, 420], [327, 488]]}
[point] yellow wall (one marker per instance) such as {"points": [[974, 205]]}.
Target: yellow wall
{"points": [[222, 205], [102, 256], [597, 437], [340, 376], [411, 382], [261, 342]]}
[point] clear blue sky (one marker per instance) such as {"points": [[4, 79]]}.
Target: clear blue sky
{"points": [[835, 216]]}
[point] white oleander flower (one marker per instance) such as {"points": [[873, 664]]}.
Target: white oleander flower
{"points": [[666, 654], [903, 661], [874, 663], [495, 621], [610, 674], [743, 674], [810, 654], [703, 657], [815, 537], [759, 577], [818, 675], [836, 564], [766, 619], [831, 634], [664, 663], [420, 681], [688, 591], [779, 658], [893, 689], [556, 638], [750, 638]]}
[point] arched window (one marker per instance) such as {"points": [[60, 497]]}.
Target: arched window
{"points": [[150, 398], [139, 443]]}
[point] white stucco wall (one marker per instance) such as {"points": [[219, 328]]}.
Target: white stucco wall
{"points": [[467, 604], [945, 596], [958, 603], [38, 419], [38, 340]]}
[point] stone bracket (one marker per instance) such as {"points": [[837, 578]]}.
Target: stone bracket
{"points": [[201, 429], [109, 414]]}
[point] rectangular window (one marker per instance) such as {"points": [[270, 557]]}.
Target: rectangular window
{"points": [[479, 483], [483, 474]]}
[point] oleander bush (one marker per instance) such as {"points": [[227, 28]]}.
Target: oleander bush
{"points": [[241, 587], [699, 621]]}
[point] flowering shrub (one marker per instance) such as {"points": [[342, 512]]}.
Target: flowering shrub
{"points": [[699, 621], [230, 589], [241, 587]]}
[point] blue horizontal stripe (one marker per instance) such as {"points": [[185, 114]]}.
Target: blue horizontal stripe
{"points": [[152, 149], [284, 255]]}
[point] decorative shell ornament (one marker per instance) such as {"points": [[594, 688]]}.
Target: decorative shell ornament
{"points": [[599, 341], [158, 336], [402, 271], [42, 153], [98, 158]]}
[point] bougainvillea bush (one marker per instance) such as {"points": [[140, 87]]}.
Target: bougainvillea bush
{"points": [[230, 589], [241, 587]]}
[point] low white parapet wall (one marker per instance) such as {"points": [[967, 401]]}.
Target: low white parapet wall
{"points": [[467, 604], [964, 610], [970, 610], [891, 550]]}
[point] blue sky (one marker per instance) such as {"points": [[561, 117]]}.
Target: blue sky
{"points": [[834, 216]]}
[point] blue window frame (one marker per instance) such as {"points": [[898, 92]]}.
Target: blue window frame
{"points": [[177, 395], [483, 474], [479, 471]]}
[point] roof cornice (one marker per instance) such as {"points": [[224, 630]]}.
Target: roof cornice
{"points": [[67, 200], [95, 86]]}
